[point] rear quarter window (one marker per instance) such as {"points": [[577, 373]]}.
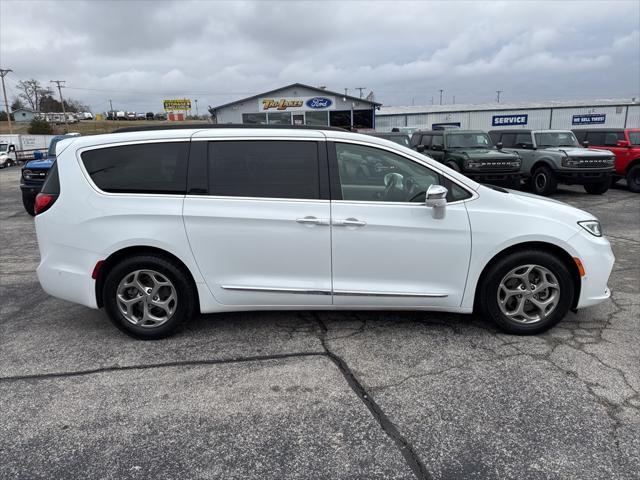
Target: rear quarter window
{"points": [[140, 168]]}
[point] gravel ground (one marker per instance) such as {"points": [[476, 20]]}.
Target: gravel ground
{"points": [[319, 395]]}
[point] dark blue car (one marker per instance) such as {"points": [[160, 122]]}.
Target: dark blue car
{"points": [[34, 174]]}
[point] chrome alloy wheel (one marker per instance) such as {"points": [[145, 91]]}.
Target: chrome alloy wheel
{"points": [[146, 298], [528, 294]]}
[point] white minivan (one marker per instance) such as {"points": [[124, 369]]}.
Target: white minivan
{"points": [[156, 225]]}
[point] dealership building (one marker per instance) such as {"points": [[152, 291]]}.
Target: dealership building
{"points": [[299, 104], [539, 115]]}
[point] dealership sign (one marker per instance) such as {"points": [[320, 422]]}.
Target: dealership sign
{"points": [[507, 120], [295, 103], [319, 102], [588, 119], [178, 104]]}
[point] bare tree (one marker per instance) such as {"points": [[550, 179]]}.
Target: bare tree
{"points": [[16, 104], [31, 91]]}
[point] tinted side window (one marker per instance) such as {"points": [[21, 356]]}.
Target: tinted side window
{"points": [[523, 140], [438, 140], [264, 168], [611, 138], [581, 135], [596, 138], [426, 140], [508, 140], [142, 168], [374, 175]]}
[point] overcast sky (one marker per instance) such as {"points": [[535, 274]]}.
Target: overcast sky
{"points": [[137, 53]]}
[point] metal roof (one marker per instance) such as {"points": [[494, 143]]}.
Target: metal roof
{"points": [[300, 85], [417, 109]]}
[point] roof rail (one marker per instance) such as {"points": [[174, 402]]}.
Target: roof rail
{"points": [[223, 126]]}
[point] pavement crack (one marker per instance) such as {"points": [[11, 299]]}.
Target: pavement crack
{"points": [[181, 363], [406, 449]]}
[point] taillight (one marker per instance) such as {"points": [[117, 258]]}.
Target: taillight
{"points": [[44, 202]]}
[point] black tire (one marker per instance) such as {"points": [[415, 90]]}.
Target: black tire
{"points": [[544, 181], [29, 202], [633, 178], [488, 291], [453, 166], [597, 188], [185, 307]]}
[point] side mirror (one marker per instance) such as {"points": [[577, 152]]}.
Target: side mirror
{"points": [[436, 196], [624, 143], [499, 145], [585, 143], [421, 148], [12, 148]]}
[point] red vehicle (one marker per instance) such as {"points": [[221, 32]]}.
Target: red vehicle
{"points": [[624, 143]]}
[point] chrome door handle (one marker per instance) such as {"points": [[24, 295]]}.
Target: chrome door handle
{"points": [[312, 221], [350, 222]]}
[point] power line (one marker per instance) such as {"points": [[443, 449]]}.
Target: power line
{"points": [[3, 73]]}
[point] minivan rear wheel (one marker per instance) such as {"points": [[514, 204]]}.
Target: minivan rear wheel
{"points": [[149, 297], [526, 292]]}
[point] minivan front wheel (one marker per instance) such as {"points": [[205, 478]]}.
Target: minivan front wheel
{"points": [[148, 296], [527, 292]]}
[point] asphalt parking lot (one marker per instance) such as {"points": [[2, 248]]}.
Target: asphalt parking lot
{"points": [[366, 395]]}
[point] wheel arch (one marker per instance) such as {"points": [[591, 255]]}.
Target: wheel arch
{"points": [[561, 253], [543, 162], [631, 164], [118, 255]]}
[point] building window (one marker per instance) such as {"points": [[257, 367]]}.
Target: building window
{"points": [[254, 118], [317, 118], [280, 118], [363, 118]]}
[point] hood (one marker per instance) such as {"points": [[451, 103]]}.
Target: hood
{"points": [[537, 205], [581, 152], [44, 163], [486, 154]]}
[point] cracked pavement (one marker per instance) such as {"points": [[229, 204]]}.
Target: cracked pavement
{"points": [[357, 395]]}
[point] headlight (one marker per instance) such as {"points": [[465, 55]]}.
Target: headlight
{"points": [[592, 226], [27, 174], [472, 164], [570, 162]]}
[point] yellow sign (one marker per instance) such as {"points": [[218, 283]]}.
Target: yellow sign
{"points": [[178, 104], [280, 104]]}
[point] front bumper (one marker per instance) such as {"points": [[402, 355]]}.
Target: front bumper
{"points": [[597, 258], [31, 188], [495, 178], [581, 177]]}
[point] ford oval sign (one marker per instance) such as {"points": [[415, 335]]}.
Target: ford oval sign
{"points": [[319, 102]]}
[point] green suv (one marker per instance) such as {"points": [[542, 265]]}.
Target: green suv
{"points": [[550, 157], [472, 153]]}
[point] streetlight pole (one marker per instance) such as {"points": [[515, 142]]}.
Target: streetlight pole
{"points": [[3, 73]]}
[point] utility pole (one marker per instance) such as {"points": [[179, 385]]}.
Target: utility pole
{"points": [[454, 99], [197, 114], [3, 73], [441, 90], [58, 82], [498, 92], [361, 89], [345, 91]]}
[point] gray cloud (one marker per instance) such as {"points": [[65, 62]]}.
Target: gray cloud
{"points": [[137, 53]]}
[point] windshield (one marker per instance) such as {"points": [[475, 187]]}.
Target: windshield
{"points": [[556, 139], [634, 138], [4, 147], [399, 139], [468, 140], [52, 146]]}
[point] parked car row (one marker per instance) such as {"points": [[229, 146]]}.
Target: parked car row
{"points": [[541, 159], [59, 118], [123, 115]]}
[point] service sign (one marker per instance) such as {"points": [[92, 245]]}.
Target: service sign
{"points": [[508, 120], [179, 104], [588, 119], [288, 104]]}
